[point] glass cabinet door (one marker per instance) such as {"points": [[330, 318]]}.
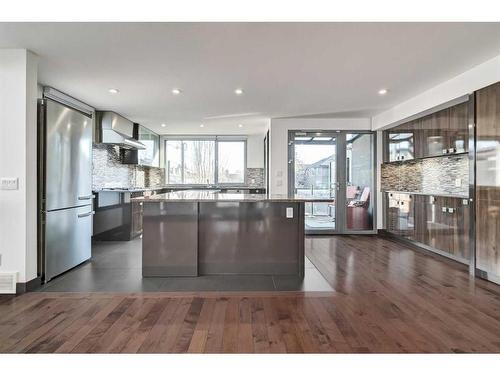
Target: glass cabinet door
{"points": [[151, 155]]}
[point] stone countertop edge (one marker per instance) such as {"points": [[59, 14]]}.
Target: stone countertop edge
{"points": [[427, 194], [225, 197], [178, 188]]}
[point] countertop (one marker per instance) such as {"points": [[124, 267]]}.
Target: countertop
{"points": [[215, 196], [427, 194], [201, 188]]}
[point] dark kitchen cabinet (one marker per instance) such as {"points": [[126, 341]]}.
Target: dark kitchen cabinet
{"points": [[459, 222], [458, 135], [440, 133], [488, 181], [392, 213], [137, 214], [400, 141], [438, 222], [434, 128], [437, 230], [407, 216], [400, 219]]}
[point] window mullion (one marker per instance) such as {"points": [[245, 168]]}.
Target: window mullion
{"points": [[216, 162]]}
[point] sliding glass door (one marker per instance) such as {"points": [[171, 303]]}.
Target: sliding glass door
{"points": [[335, 172]]}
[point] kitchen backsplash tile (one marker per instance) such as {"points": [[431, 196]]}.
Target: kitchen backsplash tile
{"points": [[108, 171], [441, 175], [255, 177]]}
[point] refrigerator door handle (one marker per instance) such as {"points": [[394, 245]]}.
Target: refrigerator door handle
{"points": [[85, 197], [86, 214]]}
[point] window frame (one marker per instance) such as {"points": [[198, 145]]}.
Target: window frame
{"points": [[216, 140]]}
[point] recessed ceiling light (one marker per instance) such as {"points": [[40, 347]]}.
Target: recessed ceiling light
{"points": [[202, 126], [382, 91], [163, 125], [176, 91], [114, 91], [238, 91], [240, 125]]}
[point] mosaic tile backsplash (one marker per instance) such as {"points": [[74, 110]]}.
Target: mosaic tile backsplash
{"points": [[445, 175], [108, 171], [255, 177]]}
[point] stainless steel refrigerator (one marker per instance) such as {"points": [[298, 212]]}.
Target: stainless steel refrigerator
{"points": [[65, 183]]}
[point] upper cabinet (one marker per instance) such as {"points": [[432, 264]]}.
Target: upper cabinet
{"points": [[441, 133], [151, 155], [459, 128], [400, 142], [433, 134]]}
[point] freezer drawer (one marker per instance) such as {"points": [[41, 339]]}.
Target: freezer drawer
{"points": [[67, 239]]}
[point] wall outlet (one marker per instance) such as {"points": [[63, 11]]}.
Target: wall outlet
{"points": [[289, 212], [458, 182], [9, 183]]}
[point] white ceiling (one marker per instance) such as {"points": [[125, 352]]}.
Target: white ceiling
{"points": [[286, 69]]}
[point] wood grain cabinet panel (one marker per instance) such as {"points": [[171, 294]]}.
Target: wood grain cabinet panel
{"points": [[392, 213], [459, 222], [434, 133], [438, 230], [488, 180], [420, 209], [441, 223]]}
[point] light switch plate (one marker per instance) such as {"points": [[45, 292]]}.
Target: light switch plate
{"points": [[9, 183], [289, 212], [458, 182]]}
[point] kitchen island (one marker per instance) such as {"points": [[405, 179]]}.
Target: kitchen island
{"points": [[194, 233]]}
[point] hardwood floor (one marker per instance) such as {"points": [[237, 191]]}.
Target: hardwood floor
{"points": [[387, 299]]}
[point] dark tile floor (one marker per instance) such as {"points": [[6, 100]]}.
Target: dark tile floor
{"points": [[116, 267]]}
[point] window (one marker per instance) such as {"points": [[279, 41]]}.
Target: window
{"points": [[205, 161], [198, 165], [231, 162]]}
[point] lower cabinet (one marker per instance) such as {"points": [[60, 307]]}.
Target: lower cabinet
{"points": [[400, 214], [439, 222]]}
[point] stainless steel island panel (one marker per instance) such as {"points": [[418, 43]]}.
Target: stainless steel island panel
{"points": [[170, 239], [257, 238]]}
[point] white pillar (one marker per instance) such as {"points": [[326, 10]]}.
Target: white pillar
{"points": [[18, 159]]}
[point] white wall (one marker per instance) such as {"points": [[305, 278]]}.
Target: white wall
{"points": [[278, 160], [18, 95], [255, 151], [480, 76]]}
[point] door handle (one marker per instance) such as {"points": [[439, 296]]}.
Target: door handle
{"points": [[86, 214], [85, 197]]}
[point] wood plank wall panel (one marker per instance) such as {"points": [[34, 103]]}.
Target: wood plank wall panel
{"points": [[488, 179]]}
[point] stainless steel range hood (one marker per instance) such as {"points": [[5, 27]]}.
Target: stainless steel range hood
{"points": [[117, 130]]}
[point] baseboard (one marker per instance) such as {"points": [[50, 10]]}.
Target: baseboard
{"points": [[28, 286]]}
